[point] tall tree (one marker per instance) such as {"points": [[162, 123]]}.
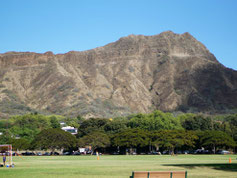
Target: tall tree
{"points": [[232, 119], [95, 140], [157, 120], [54, 122], [116, 125], [216, 139], [91, 125], [131, 138], [197, 122], [54, 139], [171, 139], [29, 125], [20, 144]]}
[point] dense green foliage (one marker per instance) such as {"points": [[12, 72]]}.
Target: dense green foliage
{"points": [[54, 122], [95, 140], [171, 139], [213, 139], [131, 138], [91, 125], [20, 144], [154, 121], [54, 139], [145, 132]]}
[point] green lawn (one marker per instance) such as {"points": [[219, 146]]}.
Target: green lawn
{"points": [[198, 166]]}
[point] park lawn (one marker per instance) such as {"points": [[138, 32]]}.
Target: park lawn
{"points": [[121, 166]]}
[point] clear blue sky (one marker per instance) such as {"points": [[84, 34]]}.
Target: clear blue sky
{"points": [[64, 25]]}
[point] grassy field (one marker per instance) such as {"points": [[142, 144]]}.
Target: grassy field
{"points": [[198, 166]]}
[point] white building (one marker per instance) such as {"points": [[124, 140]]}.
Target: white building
{"points": [[62, 124], [70, 129]]}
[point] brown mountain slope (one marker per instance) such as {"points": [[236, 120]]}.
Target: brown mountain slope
{"points": [[134, 74]]}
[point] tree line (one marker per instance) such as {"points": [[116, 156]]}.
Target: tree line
{"points": [[156, 131]]}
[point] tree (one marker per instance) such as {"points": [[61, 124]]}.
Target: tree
{"points": [[4, 139], [20, 144], [214, 139], [54, 122], [3, 125], [232, 119], [29, 125], [116, 125], [197, 122], [54, 139], [171, 139], [74, 122], [131, 138], [154, 121], [92, 125], [95, 140]]}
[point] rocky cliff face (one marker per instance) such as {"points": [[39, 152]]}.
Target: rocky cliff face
{"points": [[134, 74]]}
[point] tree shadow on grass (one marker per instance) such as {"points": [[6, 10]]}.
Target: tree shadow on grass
{"points": [[217, 166]]}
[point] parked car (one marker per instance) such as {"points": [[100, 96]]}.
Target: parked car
{"points": [[39, 154], [223, 152], [201, 151], [76, 153], [94, 153], [88, 152], [54, 153], [67, 153], [46, 154], [186, 152], [115, 153], [28, 153], [178, 152], [166, 152], [191, 151]]}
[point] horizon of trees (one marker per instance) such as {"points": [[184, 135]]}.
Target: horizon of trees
{"points": [[144, 132]]}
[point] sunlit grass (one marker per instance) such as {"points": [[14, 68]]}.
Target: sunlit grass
{"points": [[198, 166]]}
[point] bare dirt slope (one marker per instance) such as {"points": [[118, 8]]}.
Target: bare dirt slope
{"points": [[134, 74]]}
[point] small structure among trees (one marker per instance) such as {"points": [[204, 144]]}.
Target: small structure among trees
{"points": [[70, 129]]}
